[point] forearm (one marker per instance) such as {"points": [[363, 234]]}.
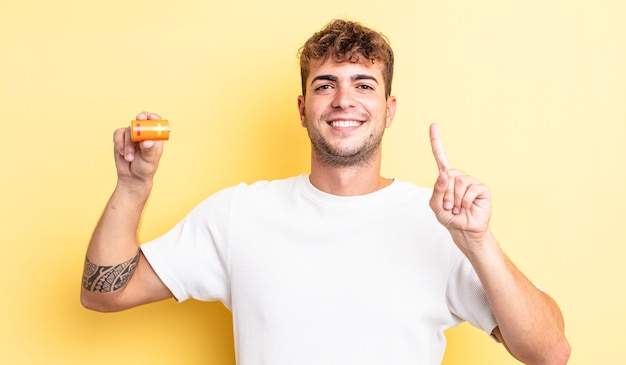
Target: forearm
{"points": [[114, 239], [529, 321], [113, 251]]}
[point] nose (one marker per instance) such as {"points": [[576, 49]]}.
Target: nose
{"points": [[343, 98]]}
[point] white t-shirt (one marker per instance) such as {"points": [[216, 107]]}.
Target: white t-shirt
{"points": [[313, 278]]}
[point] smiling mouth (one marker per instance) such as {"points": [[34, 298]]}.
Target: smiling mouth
{"points": [[345, 123]]}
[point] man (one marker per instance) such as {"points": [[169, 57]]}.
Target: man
{"points": [[341, 266]]}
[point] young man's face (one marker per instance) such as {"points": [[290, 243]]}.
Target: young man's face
{"points": [[345, 111]]}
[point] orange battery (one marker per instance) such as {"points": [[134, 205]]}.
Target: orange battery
{"points": [[143, 130]]}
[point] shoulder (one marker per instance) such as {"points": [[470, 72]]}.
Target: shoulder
{"points": [[263, 188], [255, 192], [409, 192]]}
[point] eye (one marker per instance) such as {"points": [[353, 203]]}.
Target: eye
{"points": [[323, 87], [365, 87]]}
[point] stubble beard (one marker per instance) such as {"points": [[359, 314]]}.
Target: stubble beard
{"points": [[360, 155]]}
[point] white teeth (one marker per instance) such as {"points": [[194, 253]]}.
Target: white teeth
{"points": [[345, 123]]}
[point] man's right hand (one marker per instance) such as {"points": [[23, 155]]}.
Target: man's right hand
{"points": [[136, 162]]}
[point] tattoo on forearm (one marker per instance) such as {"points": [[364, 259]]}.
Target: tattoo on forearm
{"points": [[108, 278]]}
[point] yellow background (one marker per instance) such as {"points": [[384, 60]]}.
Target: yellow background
{"points": [[530, 97]]}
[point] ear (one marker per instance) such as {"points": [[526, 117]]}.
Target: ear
{"points": [[391, 110], [301, 110]]}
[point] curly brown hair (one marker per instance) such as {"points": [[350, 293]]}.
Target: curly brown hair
{"points": [[347, 41]]}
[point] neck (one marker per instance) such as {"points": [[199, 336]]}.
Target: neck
{"points": [[348, 180]]}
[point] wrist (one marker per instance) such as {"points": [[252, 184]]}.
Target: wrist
{"points": [[134, 190], [475, 243]]}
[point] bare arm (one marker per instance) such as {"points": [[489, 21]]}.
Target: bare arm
{"points": [[116, 275], [530, 323]]}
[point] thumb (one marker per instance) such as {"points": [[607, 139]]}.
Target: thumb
{"points": [[146, 145], [443, 193], [151, 150], [439, 191]]}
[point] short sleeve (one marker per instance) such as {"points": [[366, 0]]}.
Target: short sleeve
{"points": [[193, 258], [466, 296]]}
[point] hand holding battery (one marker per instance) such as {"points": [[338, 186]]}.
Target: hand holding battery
{"points": [[138, 148]]}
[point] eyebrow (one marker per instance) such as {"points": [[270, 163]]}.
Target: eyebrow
{"points": [[353, 78], [325, 78], [364, 77]]}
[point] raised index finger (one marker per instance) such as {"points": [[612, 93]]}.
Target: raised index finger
{"points": [[438, 150]]}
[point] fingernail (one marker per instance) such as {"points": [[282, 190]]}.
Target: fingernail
{"points": [[130, 157], [447, 205]]}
